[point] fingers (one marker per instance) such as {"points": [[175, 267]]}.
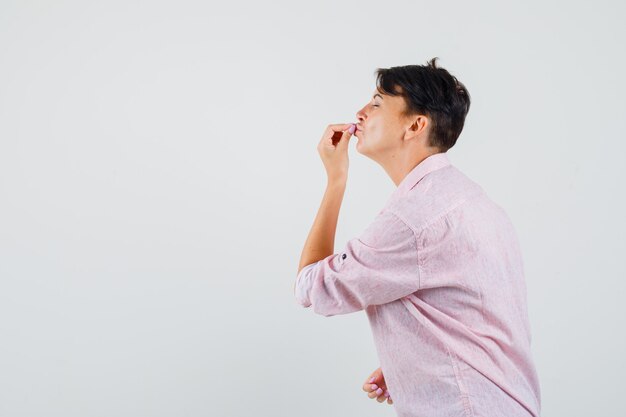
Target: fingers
{"points": [[374, 381], [369, 387], [374, 376], [343, 137], [376, 392], [340, 127], [383, 397], [335, 133], [376, 387], [372, 388], [371, 380], [381, 393]]}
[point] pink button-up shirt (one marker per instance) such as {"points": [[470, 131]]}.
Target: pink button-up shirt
{"points": [[439, 273]]}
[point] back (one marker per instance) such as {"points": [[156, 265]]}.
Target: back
{"points": [[469, 316]]}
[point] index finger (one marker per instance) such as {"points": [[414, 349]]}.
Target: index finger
{"points": [[367, 387], [340, 127]]}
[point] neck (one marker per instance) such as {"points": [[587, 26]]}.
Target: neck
{"points": [[399, 164]]}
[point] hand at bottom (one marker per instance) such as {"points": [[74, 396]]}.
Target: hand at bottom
{"points": [[376, 387]]}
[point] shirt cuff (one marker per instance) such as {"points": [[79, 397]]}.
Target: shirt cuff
{"points": [[304, 281]]}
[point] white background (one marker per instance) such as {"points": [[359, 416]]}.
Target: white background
{"points": [[159, 176]]}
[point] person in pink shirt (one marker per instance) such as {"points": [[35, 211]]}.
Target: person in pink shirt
{"points": [[439, 271]]}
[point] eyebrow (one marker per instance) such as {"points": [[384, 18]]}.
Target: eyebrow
{"points": [[381, 97]]}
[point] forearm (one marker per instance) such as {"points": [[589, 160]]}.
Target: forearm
{"points": [[321, 240]]}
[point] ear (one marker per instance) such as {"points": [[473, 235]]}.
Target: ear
{"points": [[418, 127]]}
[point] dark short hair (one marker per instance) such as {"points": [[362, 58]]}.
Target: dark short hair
{"points": [[432, 91]]}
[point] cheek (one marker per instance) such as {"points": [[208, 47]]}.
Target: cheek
{"points": [[376, 130], [380, 124]]}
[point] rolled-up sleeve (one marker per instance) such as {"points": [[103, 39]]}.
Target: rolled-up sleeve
{"points": [[377, 267], [303, 284]]}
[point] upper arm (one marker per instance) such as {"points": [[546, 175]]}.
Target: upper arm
{"points": [[377, 267]]}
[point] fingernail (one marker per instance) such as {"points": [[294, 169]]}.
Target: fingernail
{"points": [[374, 386], [379, 391], [372, 379], [386, 393], [352, 129]]}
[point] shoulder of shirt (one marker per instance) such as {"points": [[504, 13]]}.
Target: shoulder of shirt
{"points": [[434, 195]]}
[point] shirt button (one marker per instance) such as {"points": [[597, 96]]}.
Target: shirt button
{"points": [[343, 256]]}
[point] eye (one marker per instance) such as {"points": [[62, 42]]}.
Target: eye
{"points": [[374, 105]]}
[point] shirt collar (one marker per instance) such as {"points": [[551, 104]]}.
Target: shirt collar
{"points": [[426, 166]]}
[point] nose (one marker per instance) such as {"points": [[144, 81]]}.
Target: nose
{"points": [[360, 115]]}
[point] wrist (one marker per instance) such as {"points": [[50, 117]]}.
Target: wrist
{"points": [[337, 182]]}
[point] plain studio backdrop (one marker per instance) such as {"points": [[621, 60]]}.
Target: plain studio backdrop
{"points": [[159, 176]]}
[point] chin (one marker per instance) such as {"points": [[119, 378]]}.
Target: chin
{"points": [[359, 147]]}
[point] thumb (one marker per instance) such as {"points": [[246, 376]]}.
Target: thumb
{"points": [[346, 135]]}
